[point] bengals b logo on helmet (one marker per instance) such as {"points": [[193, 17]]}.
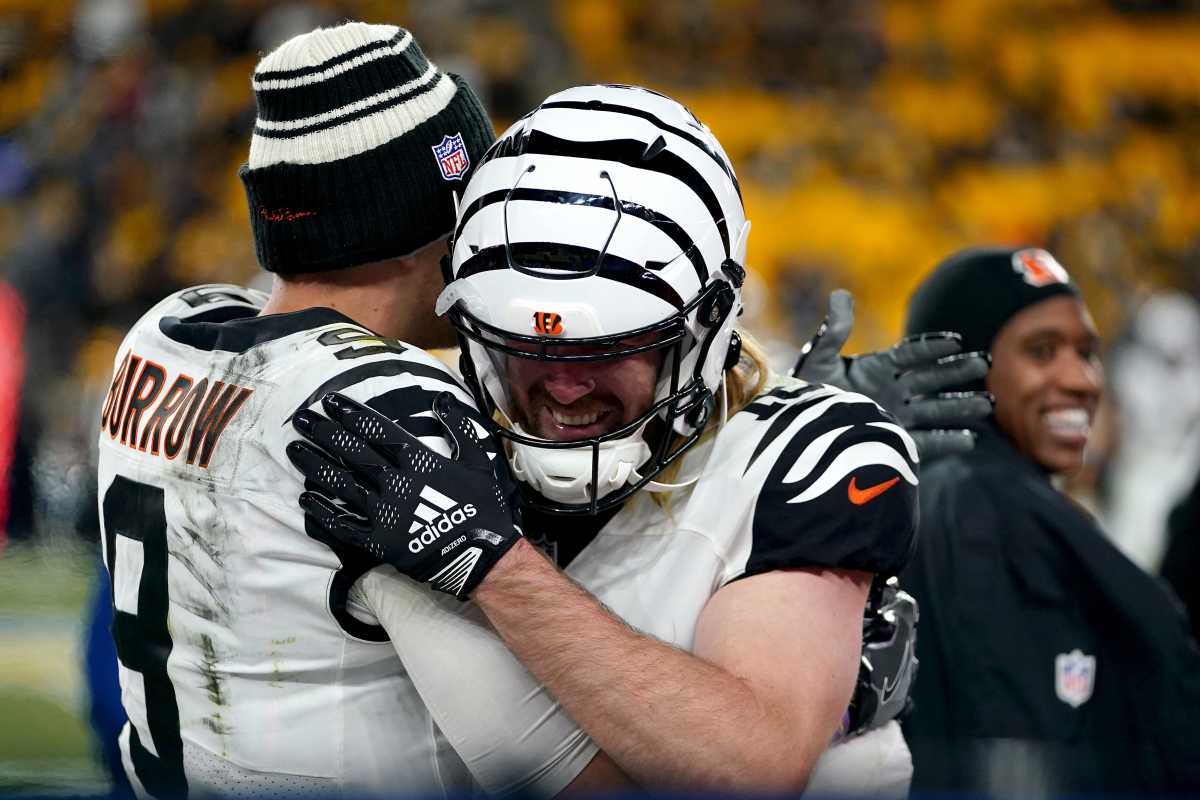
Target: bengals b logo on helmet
{"points": [[547, 323], [1038, 268]]}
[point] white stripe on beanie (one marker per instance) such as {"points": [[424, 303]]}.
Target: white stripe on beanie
{"points": [[326, 44], [306, 63], [347, 110], [353, 137]]}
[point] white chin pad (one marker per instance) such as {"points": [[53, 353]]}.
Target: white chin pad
{"points": [[564, 475]]}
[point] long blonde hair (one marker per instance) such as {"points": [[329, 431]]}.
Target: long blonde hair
{"points": [[742, 384]]}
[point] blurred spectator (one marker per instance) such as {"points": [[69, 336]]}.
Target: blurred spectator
{"points": [[14, 459], [105, 713], [1154, 376], [1181, 565], [1050, 664]]}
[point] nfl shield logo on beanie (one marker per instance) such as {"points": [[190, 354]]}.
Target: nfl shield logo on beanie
{"points": [[452, 157]]}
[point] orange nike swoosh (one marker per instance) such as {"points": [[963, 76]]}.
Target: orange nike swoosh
{"points": [[859, 496]]}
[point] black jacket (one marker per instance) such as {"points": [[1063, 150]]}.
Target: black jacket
{"points": [[1011, 575], [1181, 562]]}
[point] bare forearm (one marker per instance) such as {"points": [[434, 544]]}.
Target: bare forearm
{"points": [[665, 716]]}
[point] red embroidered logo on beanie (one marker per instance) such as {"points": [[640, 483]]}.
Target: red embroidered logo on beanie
{"points": [[283, 214]]}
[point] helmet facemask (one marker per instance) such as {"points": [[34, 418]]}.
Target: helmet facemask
{"points": [[562, 474]]}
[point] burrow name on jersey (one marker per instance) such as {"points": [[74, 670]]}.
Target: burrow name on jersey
{"points": [[183, 410]]}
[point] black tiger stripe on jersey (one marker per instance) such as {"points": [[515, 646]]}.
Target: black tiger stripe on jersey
{"points": [[855, 419], [861, 512], [376, 369], [239, 334], [784, 413], [410, 406], [763, 408], [219, 293], [673, 230], [221, 314]]}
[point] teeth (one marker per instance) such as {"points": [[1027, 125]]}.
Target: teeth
{"points": [[574, 419], [1068, 421]]}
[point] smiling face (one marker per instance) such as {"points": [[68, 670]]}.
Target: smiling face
{"points": [[1046, 377], [568, 401]]}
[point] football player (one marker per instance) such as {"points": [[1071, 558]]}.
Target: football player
{"points": [[255, 659], [720, 526]]}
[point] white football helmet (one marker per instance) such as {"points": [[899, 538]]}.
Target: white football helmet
{"points": [[607, 214]]}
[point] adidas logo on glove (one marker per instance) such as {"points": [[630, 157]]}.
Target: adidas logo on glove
{"points": [[440, 516]]}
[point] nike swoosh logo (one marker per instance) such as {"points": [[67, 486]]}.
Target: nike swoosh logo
{"points": [[860, 496]]}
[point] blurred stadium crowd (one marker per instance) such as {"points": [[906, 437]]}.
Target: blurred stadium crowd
{"points": [[872, 137]]}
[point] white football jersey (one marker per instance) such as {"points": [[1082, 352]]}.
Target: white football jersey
{"points": [[247, 663], [805, 476]]}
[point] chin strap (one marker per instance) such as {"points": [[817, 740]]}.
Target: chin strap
{"points": [[656, 486]]}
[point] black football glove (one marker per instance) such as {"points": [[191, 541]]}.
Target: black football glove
{"points": [[888, 668], [909, 380], [443, 521]]}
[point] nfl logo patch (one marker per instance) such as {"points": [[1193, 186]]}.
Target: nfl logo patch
{"points": [[1074, 677], [451, 156]]}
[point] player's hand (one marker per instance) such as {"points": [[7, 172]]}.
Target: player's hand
{"points": [[910, 380], [889, 663], [444, 521]]}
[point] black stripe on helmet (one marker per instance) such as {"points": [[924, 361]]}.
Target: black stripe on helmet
{"points": [[599, 105], [557, 261], [629, 152], [668, 226]]}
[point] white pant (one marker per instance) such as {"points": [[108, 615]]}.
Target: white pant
{"points": [[876, 764]]}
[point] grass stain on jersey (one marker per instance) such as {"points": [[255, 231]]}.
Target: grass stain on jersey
{"points": [[198, 540], [215, 594], [203, 612], [213, 684], [277, 678]]}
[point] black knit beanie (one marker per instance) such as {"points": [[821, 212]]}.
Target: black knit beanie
{"points": [[359, 144], [975, 291]]}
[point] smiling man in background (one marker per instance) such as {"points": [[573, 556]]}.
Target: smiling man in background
{"points": [[1050, 664]]}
